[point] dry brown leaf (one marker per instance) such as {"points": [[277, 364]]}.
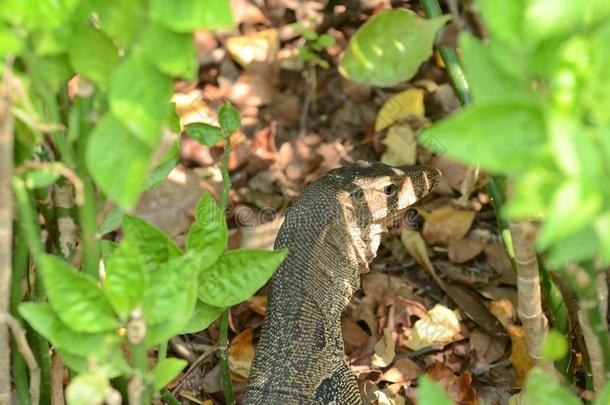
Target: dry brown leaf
{"points": [[401, 146], [498, 260], [254, 87], [384, 350], [260, 236], [403, 370], [458, 388], [258, 304], [374, 284], [462, 250], [386, 398], [353, 335], [519, 356], [260, 46], [446, 223], [415, 245], [364, 310], [487, 348], [241, 354], [504, 310], [408, 102]]}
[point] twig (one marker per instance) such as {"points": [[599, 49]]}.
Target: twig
{"points": [[26, 352], [69, 174], [194, 366], [57, 380], [6, 228]]}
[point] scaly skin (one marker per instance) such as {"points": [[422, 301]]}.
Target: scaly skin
{"points": [[332, 232]]}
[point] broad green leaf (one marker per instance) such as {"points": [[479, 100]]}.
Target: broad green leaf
{"points": [[576, 247], [547, 18], [117, 161], [602, 229], [160, 173], [50, 71], [571, 210], [228, 118], [34, 14], [112, 221], [390, 47], [598, 86], [203, 133], [155, 246], [113, 362], [202, 317], [237, 275], [46, 322], [121, 19], [10, 43], [44, 177], [170, 298], [108, 248], [326, 40], [88, 388], [54, 41], [125, 278], [603, 397], [555, 346], [542, 388], [166, 370], [92, 54], [174, 119], [141, 104], [429, 393], [76, 298], [209, 234], [188, 15], [491, 78], [532, 193], [502, 138], [171, 52], [503, 19]]}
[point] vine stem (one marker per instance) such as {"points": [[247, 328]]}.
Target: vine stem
{"points": [[223, 325], [6, 230]]}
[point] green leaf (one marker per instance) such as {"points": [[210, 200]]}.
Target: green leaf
{"points": [[237, 275], [578, 246], [170, 298], [174, 119], [113, 362], [203, 133], [89, 388], [229, 118], [52, 41], [155, 246], [160, 173], [602, 229], [309, 34], [326, 40], [504, 20], [76, 298], [502, 138], [429, 393], [555, 346], [32, 14], [92, 54], [598, 86], [51, 71], [139, 97], [125, 278], [46, 322], [112, 221], [188, 15], [209, 234], [129, 156], [44, 177], [542, 388], [603, 397], [166, 370], [492, 78], [10, 43], [171, 52], [390, 47], [202, 317], [121, 19]]}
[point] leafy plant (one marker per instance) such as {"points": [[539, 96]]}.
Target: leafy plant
{"points": [[94, 128], [315, 44]]}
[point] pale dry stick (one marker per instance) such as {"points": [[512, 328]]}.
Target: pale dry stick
{"points": [[57, 381], [596, 355], [193, 366], [26, 352], [530, 312], [6, 229]]}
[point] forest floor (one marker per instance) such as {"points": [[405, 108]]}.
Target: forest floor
{"points": [[299, 120]]}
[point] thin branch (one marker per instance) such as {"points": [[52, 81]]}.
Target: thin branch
{"points": [[6, 229], [26, 352]]}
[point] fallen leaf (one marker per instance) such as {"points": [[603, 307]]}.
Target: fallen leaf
{"points": [[519, 356], [260, 46], [384, 398], [462, 250], [497, 258], [375, 284], [408, 102], [487, 348], [384, 350], [401, 146], [241, 354], [439, 327], [458, 388], [353, 335], [259, 236], [364, 310], [403, 370], [446, 223], [254, 87], [504, 310], [258, 304], [415, 245]]}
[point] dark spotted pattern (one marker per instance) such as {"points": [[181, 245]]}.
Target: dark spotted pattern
{"points": [[300, 354]]}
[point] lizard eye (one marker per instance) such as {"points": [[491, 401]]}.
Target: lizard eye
{"points": [[390, 189]]}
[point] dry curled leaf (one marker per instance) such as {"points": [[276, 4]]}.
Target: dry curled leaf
{"points": [[408, 102], [384, 350], [439, 327], [401, 146], [462, 250], [241, 354], [446, 223], [403, 370], [260, 46]]}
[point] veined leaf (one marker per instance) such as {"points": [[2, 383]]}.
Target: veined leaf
{"points": [[92, 54], [188, 15], [202, 317], [155, 246], [166, 370], [209, 234], [171, 52]]}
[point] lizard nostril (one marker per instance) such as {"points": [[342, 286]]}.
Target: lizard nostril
{"points": [[432, 176]]}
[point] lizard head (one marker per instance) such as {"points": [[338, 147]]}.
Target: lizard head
{"points": [[377, 192]]}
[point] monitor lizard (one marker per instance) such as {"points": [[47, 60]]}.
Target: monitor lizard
{"points": [[332, 232]]}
